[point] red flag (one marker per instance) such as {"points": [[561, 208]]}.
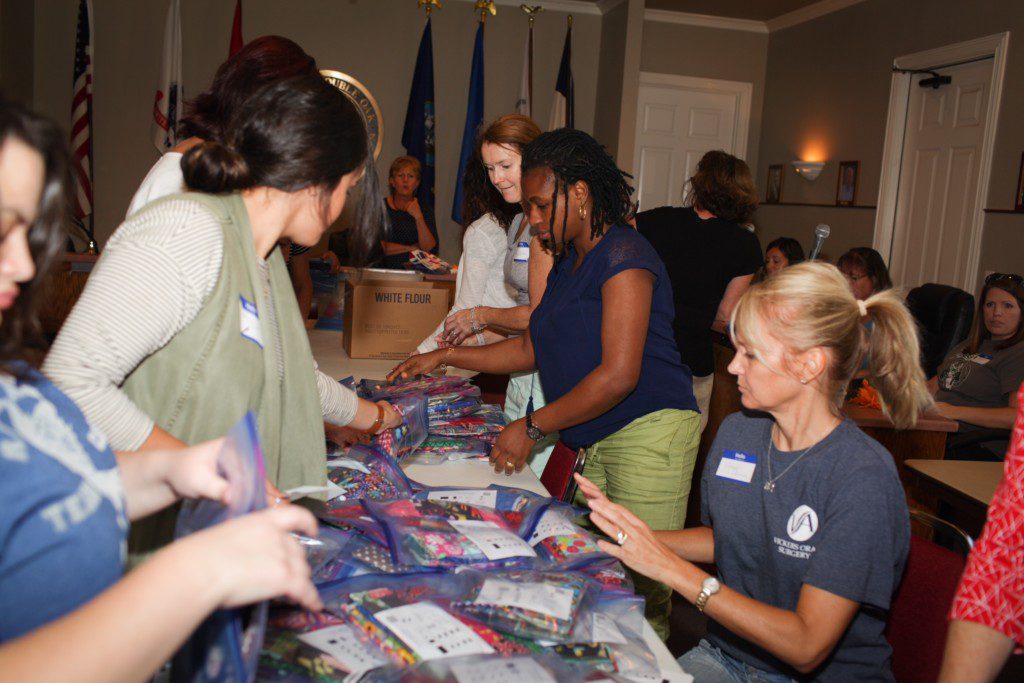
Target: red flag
{"points": [[236, 31]]}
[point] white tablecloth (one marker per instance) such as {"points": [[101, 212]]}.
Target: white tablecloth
{"points": [[332, 359]]}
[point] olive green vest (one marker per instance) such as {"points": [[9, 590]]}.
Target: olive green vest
{"points": [[209, 375]]}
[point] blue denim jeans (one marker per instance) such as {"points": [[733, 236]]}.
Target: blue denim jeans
{"points": [[707, 664]]}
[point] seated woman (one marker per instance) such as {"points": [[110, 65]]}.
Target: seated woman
{"points": [[504, 268], [865, 272], [977, 381], [805, 518], [189, 319], [68, 498], [412, 225], [710, 257], [782, 253], [602, 341]]}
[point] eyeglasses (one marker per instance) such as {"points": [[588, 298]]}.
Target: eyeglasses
{"points": [[1012, 277], [851, 277]]}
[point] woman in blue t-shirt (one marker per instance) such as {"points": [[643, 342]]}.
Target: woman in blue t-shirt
{"points": [[602, 342], [804, 515], [65, 612]]}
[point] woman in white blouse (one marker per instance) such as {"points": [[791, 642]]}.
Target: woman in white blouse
{"points": [[503, 269]]}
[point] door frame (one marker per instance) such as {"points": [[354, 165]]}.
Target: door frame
{"points": [[743, 91], [994, 46]]}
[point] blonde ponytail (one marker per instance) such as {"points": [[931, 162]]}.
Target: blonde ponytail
{"points": [[894, 353], [809, 305]]}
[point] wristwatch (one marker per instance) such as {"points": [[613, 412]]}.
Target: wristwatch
{"points": [[532, 430], [708, 587]]}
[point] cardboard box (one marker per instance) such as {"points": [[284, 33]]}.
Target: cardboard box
{"points": [[389, 318]]}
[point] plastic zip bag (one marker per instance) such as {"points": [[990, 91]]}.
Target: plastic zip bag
{"points": [[559, 541], [537, 668], [410, 434], [448, 534], [521, 509], [530, 604], [611, 638], [226, 646], [365, 472]]}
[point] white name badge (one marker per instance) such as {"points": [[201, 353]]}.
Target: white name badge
{"points": [[982, 359], [250, 322], [522, 252], [737, 466]]}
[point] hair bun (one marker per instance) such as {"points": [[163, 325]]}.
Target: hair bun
{"points": [[215, 168]]}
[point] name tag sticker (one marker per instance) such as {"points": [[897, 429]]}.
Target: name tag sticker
{"points": [[522, 252], [250, 322], [982, 358], [737, 466]]}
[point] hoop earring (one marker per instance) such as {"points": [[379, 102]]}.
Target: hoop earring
{"points": [[583, 213]]}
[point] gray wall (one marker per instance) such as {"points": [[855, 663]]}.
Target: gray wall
{"points": [[16, 47], [711, 53], [611, 65], [373, 40], [827, 88]]}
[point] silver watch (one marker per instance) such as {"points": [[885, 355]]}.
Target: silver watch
{"points": [[708, 587]]}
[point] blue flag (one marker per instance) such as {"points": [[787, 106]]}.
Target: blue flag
{"points": [[474, 114], [418, 134], [563, 106]]}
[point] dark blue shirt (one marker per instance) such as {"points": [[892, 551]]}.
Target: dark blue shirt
{"points": [[566, 333], [62, 520]]}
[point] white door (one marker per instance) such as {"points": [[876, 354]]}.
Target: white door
{"points": [[679, 119], [938, 186]]}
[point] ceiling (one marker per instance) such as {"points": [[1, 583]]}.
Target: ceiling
{"points": [[759, 10]]}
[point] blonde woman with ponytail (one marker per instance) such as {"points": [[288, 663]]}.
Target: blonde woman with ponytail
{"points": [[804, 515]]}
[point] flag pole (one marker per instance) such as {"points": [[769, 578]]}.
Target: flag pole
{"points": [[429, 5], [485, 6], [530, 11]]}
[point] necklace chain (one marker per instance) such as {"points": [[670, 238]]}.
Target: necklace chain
{"points": [[769, 484]]}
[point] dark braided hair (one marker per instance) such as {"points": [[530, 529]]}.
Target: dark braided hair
{"points": [[572, 156]]}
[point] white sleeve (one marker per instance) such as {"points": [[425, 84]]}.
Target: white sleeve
{"points": [[152, 280], [164, 179], [339, 403], [479, 249]]}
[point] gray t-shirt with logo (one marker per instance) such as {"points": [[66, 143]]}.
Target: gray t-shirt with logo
{"points": [[981, 380], [837, 521]]}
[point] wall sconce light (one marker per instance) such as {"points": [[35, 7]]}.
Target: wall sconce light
{"points": [[808, 169]]}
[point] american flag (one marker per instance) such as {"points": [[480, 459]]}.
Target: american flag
{"points": [[81, 114]]}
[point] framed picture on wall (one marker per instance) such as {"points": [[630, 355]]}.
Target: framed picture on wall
{"points": [[773, 193], [1018, 202], [846, 190]]}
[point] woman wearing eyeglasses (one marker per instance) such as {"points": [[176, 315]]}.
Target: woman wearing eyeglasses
{"points": [[865, 272], [977, 381]]}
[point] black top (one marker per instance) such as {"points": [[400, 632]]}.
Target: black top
{"points": [[403, 231], [702, 257]]}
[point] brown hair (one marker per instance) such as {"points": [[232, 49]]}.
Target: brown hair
{"points": [[809, 305], [724, 186], [979, 332], [20, 329], [480, 197], [871, 262]]}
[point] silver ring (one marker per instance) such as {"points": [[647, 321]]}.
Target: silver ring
{"points": [[621, 537]]}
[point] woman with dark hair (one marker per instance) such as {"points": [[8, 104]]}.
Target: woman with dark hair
{"points": [[411, 225], [188, 320], [865, 271], [503, 269], [601, 339], [68, 497], [781, 253], [977, 382], [710, 256]]}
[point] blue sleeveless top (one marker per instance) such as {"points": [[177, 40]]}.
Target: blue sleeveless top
{"points": [[566, 333]]}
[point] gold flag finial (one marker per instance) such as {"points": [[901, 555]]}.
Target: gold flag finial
{"points": [[531, 11], [429, 4], [485, 6]]}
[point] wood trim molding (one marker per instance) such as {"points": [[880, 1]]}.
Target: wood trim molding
{"points": [[809, 13], [573, 6], [705, 21]]}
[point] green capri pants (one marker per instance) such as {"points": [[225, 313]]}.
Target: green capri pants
{"points": [[647, 467]]}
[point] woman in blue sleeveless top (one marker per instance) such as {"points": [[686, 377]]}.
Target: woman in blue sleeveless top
{"points": [[602, 342]]}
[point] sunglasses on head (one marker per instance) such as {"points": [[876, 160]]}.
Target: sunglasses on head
{"points": [[996, 277]]}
